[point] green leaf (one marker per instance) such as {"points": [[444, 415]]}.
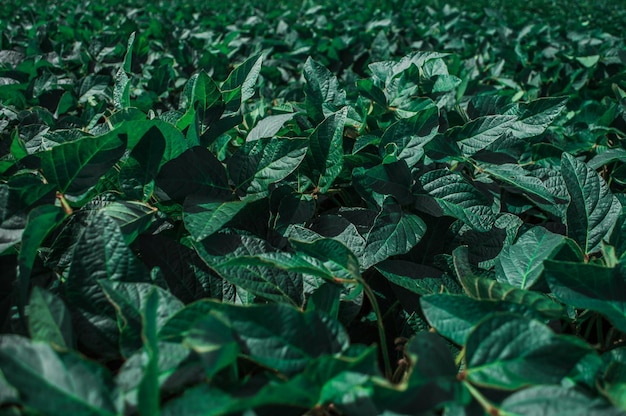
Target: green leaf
{"points": [[393, 232], [121, 90], [301, 336], [260, 163], [204, 216], [487, 289], [269, 126], [408, 136], [592, 210], [536, 116], [454, 316], [41, 221], [55, 383], [99, 254], [130, 300], [612, 379], [449, 193], [148, 395], [323, 95], [196, 171], [132, 217], [324, 158], [554, 401], [376, 183], [510, 352], [240, 83], [144, 163], [213, 339], [479, 133], [521, 264], [522, 181], [76, 166], [418, 278], [590, 286], [220, 251], [49, 320]]}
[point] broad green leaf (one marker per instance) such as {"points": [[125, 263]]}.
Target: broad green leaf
{"points": [[130, 300], [41, 221], [510, 352], [477, 134], [148, 395], [49, 319], [554, 401], [240, 83], [323, 95], [408, 136], [612, 379], [149, 131], [590, 286], [128, 57], [418, 278], [324, 158], [521, 264], [132, 217], [144, 163], [290, 207], [195, 171], [454, 316], [380, 181], [220, 252], [482, 288], [278, 336], [260, 163], [213, 339], [536, 116], [55, 383], [521, 181], [75, 167], [449, 193], [99, 254], [205, 216], [269, 126], [592, 210], [17, 197], [176, 370], [393, 232]]}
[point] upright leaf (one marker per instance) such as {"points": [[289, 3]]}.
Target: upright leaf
{"points": [[324, 158], [592, 210], [590, 286], [41, 221], [323, 95], [49, 319], [408, 136]]}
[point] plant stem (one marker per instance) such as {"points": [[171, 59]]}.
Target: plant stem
{"points": [[381, 328]]}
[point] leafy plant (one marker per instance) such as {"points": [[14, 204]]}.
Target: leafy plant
{"points": [[327, 208]]}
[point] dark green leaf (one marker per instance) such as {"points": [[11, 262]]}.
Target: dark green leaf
{"points": [[49, 320], [55, 383], [509, 352], [590, 286], [205, 216], [592, 210], [521, 264], [477, 134], [76, 166]]}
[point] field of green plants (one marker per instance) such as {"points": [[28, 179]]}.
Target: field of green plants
{"points": [[313, 208]]}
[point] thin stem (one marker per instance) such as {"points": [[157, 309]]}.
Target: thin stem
{"points": [[489, 408], [381, 328]]}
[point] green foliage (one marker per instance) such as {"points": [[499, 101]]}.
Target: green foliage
{"points": [[356, 208]]}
